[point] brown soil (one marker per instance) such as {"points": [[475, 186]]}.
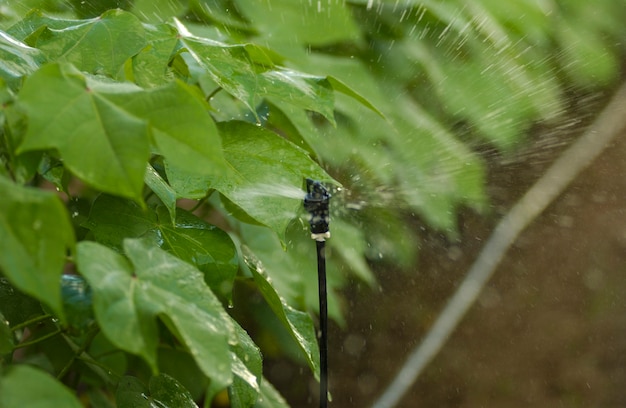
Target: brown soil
{"points": [[549, 329]]}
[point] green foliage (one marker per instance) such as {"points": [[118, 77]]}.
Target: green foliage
{"points": [[135, 111]]}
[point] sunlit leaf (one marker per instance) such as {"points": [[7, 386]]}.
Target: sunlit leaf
{"points": [[98, 45], [26, 386], [128, 296], [266, 175], [162, 391], [17, 60], [35, 235]]}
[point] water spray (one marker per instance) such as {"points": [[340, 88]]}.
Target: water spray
{"points": [[316, 203]]}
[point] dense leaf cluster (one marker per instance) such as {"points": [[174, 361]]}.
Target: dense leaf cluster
{"points": [[118, 117]]}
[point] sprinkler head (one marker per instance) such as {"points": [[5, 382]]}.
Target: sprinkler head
{"points": [[316, 202]]}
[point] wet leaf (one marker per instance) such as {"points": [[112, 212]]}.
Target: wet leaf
{"points": [[265, 177], [150, 66], [298, 324], [17, 60], [186, 135], [248, 370], [170, 392], [128, 296], [99, 142], [162, 391], [35, 235], [26, 386], [191, 239], [99, 45]]}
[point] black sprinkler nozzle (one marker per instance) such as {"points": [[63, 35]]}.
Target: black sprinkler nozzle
{"points": [[316, 203]]}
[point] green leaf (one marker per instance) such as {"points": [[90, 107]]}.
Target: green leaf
{"points": [[270, 397], [234, 69], [339, 86], [162, 190], [170, 392], [298, 324], [181, 127], [304, 91], [266, 175], [25, 386], [99, 45], [150, 66], [162, 391], [248, 370], [291, 24], [99, 142], [15, 305], [191, 239], [128, 297], [17, 60], [35, 235]]}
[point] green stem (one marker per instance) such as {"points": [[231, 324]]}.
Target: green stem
{"points": [[37, 340], [201, 201], [36, 319], [212, 94], [78, 351], [91, 361]]}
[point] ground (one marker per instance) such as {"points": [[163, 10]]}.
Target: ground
{"points": [[549, 330]]}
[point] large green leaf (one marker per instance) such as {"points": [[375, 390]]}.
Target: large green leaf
{"points": [[35, 235], [181, 127], [99, 45], [150, 67], [191, 239], [25, 386], [128, 297], [265, 177], [247, 73], [98, 141], [298, 324], [17, 60]]}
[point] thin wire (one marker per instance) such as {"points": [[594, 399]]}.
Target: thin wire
{"points": [[323, 342], [562, 172]]}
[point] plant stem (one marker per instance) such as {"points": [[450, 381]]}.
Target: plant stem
{"points": [[212, 94], [78, 351], [36, 319], [37, 340]]}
